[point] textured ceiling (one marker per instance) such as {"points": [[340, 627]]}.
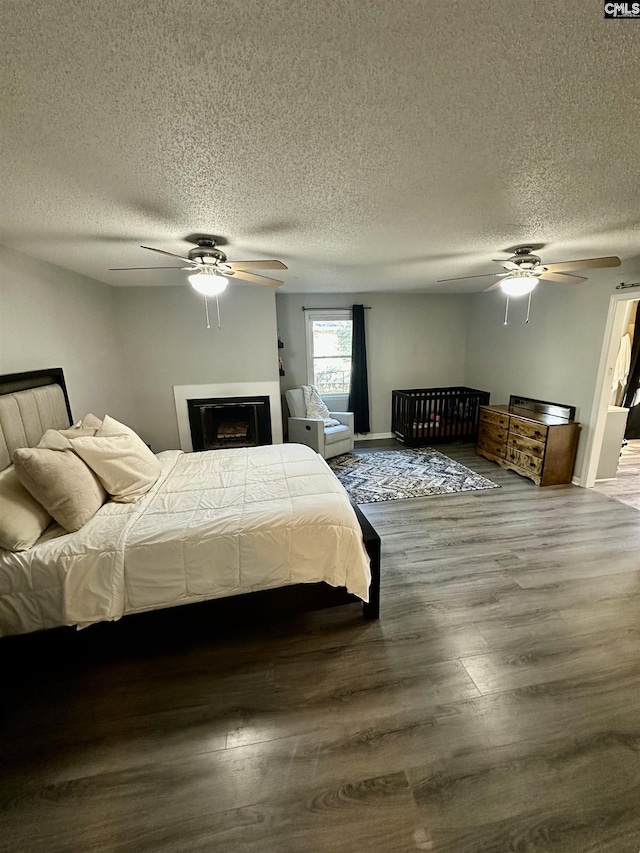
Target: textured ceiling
{"points": [[369, 144]]}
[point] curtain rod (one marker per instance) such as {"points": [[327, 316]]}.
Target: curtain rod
{"points": [[341, 308]]}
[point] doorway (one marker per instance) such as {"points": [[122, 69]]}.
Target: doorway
{"points": [[609, 417]]}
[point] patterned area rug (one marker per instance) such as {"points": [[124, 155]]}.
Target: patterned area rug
{"points": [[391, 475]]}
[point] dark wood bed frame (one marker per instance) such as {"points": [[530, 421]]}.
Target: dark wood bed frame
{"points": [[269, 602]]}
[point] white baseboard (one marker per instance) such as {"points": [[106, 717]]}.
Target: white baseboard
{"points": [[576, 481], [372, 436]]}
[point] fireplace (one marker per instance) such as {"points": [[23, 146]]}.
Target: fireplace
{"points": [[219, 422], [224, 391]]}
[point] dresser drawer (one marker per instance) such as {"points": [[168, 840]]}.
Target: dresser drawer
{"points": [[496, 418], [496, 448], [526, 445], [492, 432], [524, 460], [528, 429]]}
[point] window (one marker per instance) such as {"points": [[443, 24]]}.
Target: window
{"points": [[329, 350]]}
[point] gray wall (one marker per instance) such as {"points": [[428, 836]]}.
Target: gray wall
{"points": [[123, 349], [413, 341], [50, 317], [166, 343], [554, 357]]}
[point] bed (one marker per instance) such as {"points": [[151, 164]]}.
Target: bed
{"points": [[216, 524]]}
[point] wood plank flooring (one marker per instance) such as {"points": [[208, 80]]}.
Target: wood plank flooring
{"points": [[494, 707], [626, 486]]}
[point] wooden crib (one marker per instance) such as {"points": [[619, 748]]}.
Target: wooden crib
{"points": [[436, 415]]}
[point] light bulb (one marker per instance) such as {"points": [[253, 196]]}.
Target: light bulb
{"points": [[518, 285], [208, 283]]}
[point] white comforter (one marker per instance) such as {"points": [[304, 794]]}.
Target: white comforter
{"points": [[215, 524]]}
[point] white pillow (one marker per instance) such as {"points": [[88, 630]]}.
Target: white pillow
{"points": [[316, 406], [122, 461], [59, 480], [22, 519]]}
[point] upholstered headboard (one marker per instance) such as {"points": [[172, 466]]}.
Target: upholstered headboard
{"points": [[30, 404]]}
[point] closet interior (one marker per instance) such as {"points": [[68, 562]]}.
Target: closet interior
{"points": [[618, 473]]}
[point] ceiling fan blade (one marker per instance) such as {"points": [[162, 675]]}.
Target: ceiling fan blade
{"points": [[257, 265], [116, 269], [463, 277], [492, 287], [171, 254], [560, 276], [584, 264], [254, 279]]}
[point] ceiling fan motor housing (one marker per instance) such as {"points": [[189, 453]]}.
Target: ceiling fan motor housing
{"points": [[206, 252], [525, 259]]}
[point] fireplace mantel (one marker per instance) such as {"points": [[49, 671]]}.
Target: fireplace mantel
{"points": [[182, 393]]}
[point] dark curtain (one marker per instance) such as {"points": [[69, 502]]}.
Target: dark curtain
{"points": [[633, 420], [359, 392]]}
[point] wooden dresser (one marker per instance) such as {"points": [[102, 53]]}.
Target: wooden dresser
{"points": [[534, 438]]}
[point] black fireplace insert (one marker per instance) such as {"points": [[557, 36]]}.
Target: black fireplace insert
{"points": [[220, 422]]}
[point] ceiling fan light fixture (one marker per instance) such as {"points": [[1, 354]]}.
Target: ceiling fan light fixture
{"points": [[518, 284], [208, 282]]}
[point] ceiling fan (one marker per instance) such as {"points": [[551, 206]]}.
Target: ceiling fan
{"points": [[209, 268], [523, 271]]}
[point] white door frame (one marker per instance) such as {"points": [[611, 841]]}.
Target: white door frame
{"points": [[610, 345]]}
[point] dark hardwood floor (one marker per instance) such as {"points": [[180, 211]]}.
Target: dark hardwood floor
{"points": [[494, 707]]}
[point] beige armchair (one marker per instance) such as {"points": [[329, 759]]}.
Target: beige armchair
{"points": [[327, 441]]}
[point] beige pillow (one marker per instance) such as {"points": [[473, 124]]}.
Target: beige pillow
{"points": [[123, 462], [22, 519], [59, 439], [59, 480], [89, 425]]}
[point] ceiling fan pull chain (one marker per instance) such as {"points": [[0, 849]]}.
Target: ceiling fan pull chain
{"points": [[506, 312], [529, 306], [206, 311], [218, 310]]}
